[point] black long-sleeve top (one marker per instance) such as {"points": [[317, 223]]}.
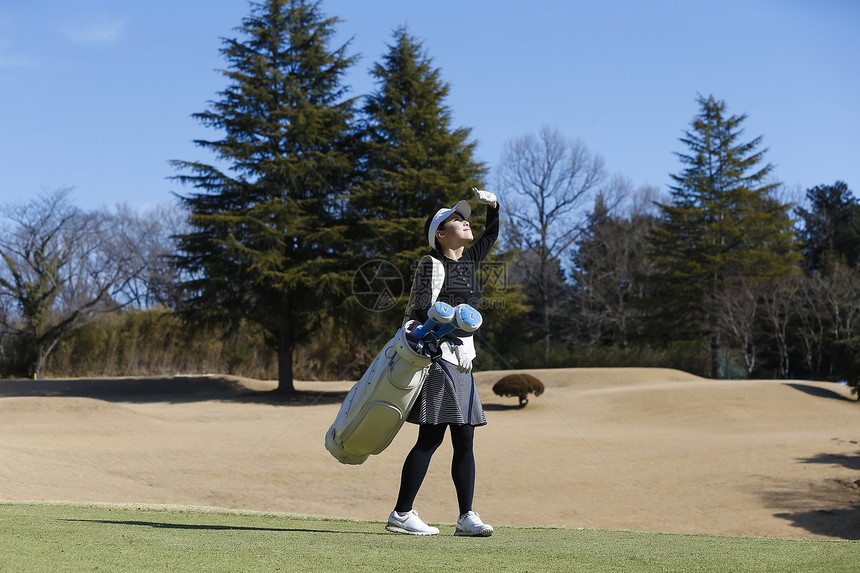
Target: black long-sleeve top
{"points": [[461, 285]]}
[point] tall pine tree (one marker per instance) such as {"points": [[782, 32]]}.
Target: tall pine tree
{"points": [[722, 224], [412, 161], [266, 227]]}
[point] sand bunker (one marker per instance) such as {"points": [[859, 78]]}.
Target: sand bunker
{"points": [[622, 448]]}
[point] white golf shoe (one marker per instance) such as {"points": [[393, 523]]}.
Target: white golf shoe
{"points": [[409, 523], [470, 525]]}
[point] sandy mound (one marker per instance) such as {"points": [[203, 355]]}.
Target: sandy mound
{"points": [[646, 449]]}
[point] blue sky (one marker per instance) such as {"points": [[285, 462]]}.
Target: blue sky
{"points": [[98, 94]]}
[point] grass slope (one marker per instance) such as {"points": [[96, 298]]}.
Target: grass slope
{"points": [[75, 537]]}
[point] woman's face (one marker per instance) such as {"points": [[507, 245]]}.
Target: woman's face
{"points": [[456, 230]]}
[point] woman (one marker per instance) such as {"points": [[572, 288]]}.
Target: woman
{"points": [[449, 398]]}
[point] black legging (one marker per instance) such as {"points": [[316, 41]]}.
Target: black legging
{"points": [[462, 465]]}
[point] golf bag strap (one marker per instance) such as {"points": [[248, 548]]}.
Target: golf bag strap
{"points": [[437, 279]]}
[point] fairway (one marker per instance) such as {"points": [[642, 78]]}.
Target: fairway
{"points": [[603, 448], [74, 537]]}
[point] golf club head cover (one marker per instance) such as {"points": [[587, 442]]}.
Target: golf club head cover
{"points": [[439, 313], [465, 318]]}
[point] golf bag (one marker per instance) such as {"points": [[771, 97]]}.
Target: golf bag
{"points": [[376, 407]]}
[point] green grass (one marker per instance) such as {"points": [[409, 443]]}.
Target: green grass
{"points": [[75, 537]]}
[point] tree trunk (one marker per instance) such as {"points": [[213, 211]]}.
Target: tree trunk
{"points": [[42, 353], [285, 370], [545, 302], [547, 345], [39, 365], [716, 357]]}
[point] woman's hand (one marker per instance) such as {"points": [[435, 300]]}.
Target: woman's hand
{"points": [[464, 360], [485, 197]]}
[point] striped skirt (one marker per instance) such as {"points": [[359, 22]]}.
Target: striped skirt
{"points": [[448, 397]]}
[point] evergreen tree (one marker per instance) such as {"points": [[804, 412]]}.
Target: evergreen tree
{"points": [[831, 230], [721, 224], [412, 161], [607, 270], [266, 230]]}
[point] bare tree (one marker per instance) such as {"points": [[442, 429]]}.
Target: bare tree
{"points": [[546, 180], [827, 312], [147, 237], [778, 305], [812, 327], [6, 304], [840, 292], [738, 309], [609, 262], [61, 267]]}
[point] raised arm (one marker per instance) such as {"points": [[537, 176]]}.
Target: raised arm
{"points": [[481, 248]]}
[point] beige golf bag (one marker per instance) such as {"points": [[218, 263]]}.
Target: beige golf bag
{"points": [[376, 407]]}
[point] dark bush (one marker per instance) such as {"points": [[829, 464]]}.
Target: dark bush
{"points": [[518, 385]]}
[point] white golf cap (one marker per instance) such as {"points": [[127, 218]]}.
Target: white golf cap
{"points": [[462, 207]]}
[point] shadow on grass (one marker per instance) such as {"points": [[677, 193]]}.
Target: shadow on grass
{"points": [[829, 507], [843, 523], [819, 392], [850, 461], [178, 389], [203, 527], [502, 407]]}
